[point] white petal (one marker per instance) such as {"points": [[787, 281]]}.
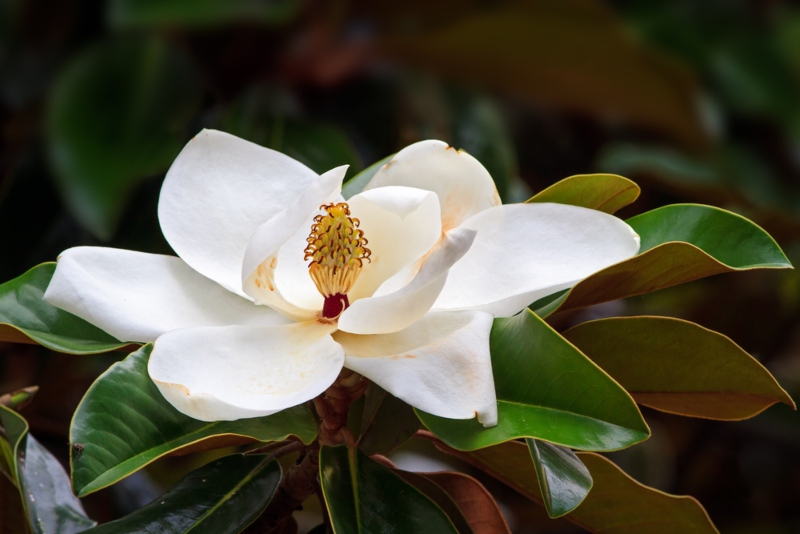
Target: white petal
{"points": [[232, 372], [441, 364], [463, 185], [273, 271], [400, 224], [137, 297], [398, 310], [524, 252], [217, 192]]}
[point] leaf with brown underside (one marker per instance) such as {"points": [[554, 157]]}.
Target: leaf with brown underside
{"points": [[603, 192], [475, 502], [617, 504], [679, 367]]}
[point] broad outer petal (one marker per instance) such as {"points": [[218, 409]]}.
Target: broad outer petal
{"points": [[217, 192], [524, 252], [441, 364], [233, 372], [463, 185], [273, 271], [400, 224], [395, 311], [137, 297]]}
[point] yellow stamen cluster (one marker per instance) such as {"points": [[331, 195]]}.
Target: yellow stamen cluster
{"points": [[337, 249]]}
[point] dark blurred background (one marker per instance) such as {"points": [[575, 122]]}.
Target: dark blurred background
{"points": [[695, 101]]}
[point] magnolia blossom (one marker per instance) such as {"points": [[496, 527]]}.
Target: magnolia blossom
{"points": [[280, 282]]}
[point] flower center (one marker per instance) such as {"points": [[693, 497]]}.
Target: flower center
{"points": [[336, 248]]}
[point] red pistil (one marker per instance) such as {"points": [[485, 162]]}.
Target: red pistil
{"points": [[334, 306]]}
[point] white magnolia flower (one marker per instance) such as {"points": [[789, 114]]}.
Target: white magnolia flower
{"points": [[272, 295]]}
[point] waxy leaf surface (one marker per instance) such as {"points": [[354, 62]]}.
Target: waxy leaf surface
{"points": [[43, 485], [364, 496], [563, 480], [222, 497], [546, 389], [680, 243], [679, 367], [602, 192], [617, 504], [26, 318], [123, 423]]}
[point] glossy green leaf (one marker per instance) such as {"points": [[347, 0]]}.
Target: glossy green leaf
{"points": [[363, 496], [118, 114], [602, 192], [222, 497], [358, 182], [564, 481], [546, 389], [680, 243], [43, 485], [679, 367], [26, 318], [123, 423], [617, 504], [575, 56], [387, 422], [143, 13]]}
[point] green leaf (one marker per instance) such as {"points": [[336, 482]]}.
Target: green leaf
{"points": [[222, 497], [439, 496], [118, 114], [617, 504], [680, 243], [546, 389], [564, 481], [474, 501], [679, 367], [357, 183], [26, 318], [43, 485], [123, 423], [386, 423], [602, 192], [198, 13], [574, 56], [363, 496]]}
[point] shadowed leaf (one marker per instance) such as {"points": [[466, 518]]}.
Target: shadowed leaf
{"points": [[364, 496], [42, 483], [222, 497]]}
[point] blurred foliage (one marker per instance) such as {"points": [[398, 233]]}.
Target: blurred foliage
{"points": [[695, 101]]}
